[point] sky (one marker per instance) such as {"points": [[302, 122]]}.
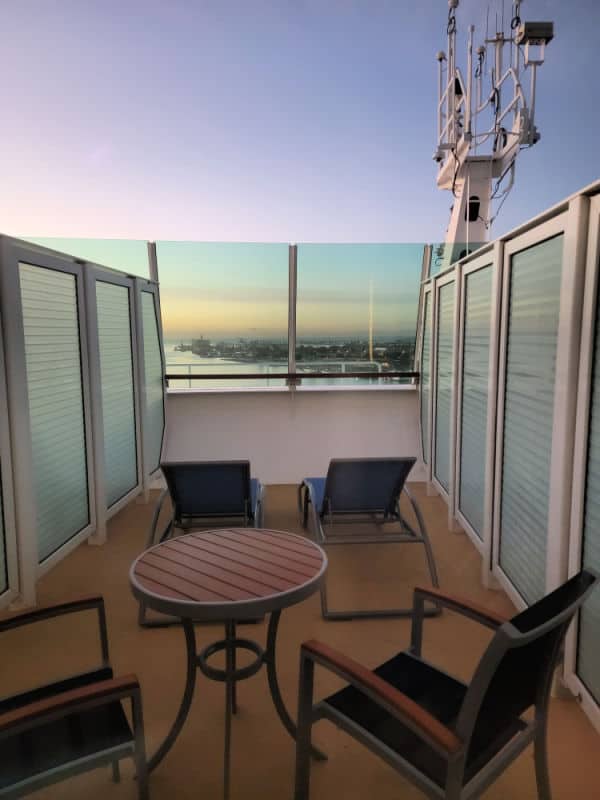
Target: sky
{"points": [[245, 290], [262, 121]]}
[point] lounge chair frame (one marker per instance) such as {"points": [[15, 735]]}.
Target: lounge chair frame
{"points": [[322, 523]]}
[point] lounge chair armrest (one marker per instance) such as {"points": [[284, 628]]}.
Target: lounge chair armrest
{"points": [[461, 605], [418, 719], [65, 703], [47, 612]]}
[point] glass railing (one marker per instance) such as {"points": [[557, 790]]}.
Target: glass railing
{"points": [[124, 255], [356, 311], [225, 312]]}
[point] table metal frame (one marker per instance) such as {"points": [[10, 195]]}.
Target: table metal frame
{"points": [[198, 659]]}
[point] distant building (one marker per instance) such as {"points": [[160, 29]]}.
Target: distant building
{"points": [[201, 346]]}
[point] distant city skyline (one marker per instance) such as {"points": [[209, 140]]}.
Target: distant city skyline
{"points": [[263, 121]]}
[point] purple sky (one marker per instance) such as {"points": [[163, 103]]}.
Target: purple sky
{"points": [[297, 120]]}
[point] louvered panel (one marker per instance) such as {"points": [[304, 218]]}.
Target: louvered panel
{"points": [[476, 366], [588, 641], [3, 570], [443, 398], [116, 375], [53, 363], [528, 414], [426, 376], [154, 382]]}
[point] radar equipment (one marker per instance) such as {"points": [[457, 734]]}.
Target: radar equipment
{"points": [[482, 128]]}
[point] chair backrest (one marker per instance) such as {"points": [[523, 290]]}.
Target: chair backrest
{"points": [[355, 485], [517, 668], [205, 488]]}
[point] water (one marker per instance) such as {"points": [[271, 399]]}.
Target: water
{"points": [[188, 363]]}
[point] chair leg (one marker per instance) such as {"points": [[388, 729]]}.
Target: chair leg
{"points": [[116, 772], [454, 779], [304, 729], [542, 775], [139, 756]]}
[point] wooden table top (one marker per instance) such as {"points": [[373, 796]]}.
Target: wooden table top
{"points": [[229, 573]]}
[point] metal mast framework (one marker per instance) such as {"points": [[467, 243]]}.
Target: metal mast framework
{"points": [[478, 166]]}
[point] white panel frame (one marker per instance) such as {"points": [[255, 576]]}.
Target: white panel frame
{"points": [[14, 252], [590, 311], [491, 259], [93, 274], [148, 471], [426, 446], [569, 224], [449, 276], [7, 491]]}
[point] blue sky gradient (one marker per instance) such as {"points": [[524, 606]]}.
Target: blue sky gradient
{"points": [[262, 121]]}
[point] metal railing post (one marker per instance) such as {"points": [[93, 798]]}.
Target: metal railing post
{"points": [[292, 297]]}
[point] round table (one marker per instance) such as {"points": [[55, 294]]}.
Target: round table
{"points": [[228, 575]]}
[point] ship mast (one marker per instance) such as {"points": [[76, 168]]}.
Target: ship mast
{"points": [[482, 126]]}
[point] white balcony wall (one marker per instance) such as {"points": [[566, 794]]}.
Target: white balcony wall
{"points": [[290, 435]]}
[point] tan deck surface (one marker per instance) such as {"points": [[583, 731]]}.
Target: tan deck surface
{"points": [[263, 753]]}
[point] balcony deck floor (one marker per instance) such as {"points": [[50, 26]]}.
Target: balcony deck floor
{"points": [[262, 752]]}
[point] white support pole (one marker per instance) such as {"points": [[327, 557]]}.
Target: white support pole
{"points": [[7, 491], [453, 524], [152, 262], [20, 427], [139, 339], [487, 578], [97, 416], [565, 398]]}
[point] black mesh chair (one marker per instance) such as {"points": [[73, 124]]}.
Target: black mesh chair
{"points": [[450, 739], [72, 725], [201, 491], [359, 490]]}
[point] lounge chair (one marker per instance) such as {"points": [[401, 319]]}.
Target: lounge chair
{"points": [[355, 489], [203, 491]]}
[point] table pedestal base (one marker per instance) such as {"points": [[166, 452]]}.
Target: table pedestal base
{"points": [[230, 676]]}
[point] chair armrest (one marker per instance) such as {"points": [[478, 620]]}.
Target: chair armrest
{"points": [[65, 703], [461, 605], [418, 719], [47, 612]]}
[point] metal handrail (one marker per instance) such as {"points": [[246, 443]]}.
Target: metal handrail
{"points": [[289, 376]]}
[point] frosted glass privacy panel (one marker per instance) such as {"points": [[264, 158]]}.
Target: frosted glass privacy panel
{"points": [[155, 413], [588, 654], [3, 572], [356, 311], [443, 395], [116, 376], [475, 374], [534, 300], [426, 377], [53, 362]]}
